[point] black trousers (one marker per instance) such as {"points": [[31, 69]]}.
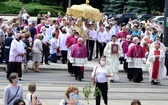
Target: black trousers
{"points": [[64, 56], [14, 67], [70, 68], [78, 72], [97, 48], [2, 54], [101, 46], [45, 53], [104, 89], [90, 46]]}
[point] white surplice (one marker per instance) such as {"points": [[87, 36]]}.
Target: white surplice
{"points": [[17, 47], [112, 60], [62, 41], [162, 69]]}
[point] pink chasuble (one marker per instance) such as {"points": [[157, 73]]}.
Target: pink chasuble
{"points": [[155, 69]]}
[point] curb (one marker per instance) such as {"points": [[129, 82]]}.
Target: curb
{"points": [[65, 69]]}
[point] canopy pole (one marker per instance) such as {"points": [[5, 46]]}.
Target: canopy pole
{"points": [[69, 3], [166, 24]]}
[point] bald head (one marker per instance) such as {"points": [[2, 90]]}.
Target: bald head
{"points": [[135, 39]]}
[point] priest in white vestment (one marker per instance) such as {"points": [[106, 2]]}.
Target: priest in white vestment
{"points": [[62, 44], [157, 70], [112, 57], [16, 56]]}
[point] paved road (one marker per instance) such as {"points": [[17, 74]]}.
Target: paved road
{"points": [[51, 86]]}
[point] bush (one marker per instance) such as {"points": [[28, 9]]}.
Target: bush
{"points": [[13, 7]]}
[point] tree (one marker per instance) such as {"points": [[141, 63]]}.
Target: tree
{"points": [[25, 1], [114, 6], [48, 2], [136, 6]]}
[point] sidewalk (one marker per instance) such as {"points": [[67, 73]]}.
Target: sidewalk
{"points": [[60, 67]]}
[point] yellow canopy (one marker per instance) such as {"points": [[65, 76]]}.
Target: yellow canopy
{"points": [[85, 11]]}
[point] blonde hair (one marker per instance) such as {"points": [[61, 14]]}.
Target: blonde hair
{"points": [[70, 90], [40, 36]]}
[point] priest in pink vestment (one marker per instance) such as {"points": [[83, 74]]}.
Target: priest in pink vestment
{"points": [[124, 46], [135, 59], [70, 41], [79, 55], [157, 70]]}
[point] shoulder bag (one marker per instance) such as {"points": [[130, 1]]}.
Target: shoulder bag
{"points": [[15, 94], [94, 81]]}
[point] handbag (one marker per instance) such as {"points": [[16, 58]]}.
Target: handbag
{"points": [[15, 94], [94, 81]]}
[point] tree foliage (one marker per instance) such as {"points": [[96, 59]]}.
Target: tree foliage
{"points": [[114, 6], [25, 1], [48, 2], [136, 6]]}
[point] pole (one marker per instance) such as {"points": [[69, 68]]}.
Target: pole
{"points": [[69, 3], [165, 38], [166, 33]]}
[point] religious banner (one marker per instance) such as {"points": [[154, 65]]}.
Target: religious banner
{"points": [[114, 48]]}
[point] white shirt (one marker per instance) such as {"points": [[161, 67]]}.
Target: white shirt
{"points": [[37, 46], [62, 41], [101, 75], [53, 43], [101, 37], [24, 16], [92, 34], [108, 36], [115, 29], [30, 21]]}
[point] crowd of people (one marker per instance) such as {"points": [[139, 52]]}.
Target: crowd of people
{"points": [[133, 44]]}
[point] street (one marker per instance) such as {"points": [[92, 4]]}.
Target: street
{"points": [[52, 84]]}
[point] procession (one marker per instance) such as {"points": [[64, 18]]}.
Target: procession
{"points": [[73, 40]]}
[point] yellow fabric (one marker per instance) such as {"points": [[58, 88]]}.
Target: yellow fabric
{"points": [[85, 11]]}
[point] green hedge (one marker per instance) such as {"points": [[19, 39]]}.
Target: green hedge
{"points": [[13, 7]]}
